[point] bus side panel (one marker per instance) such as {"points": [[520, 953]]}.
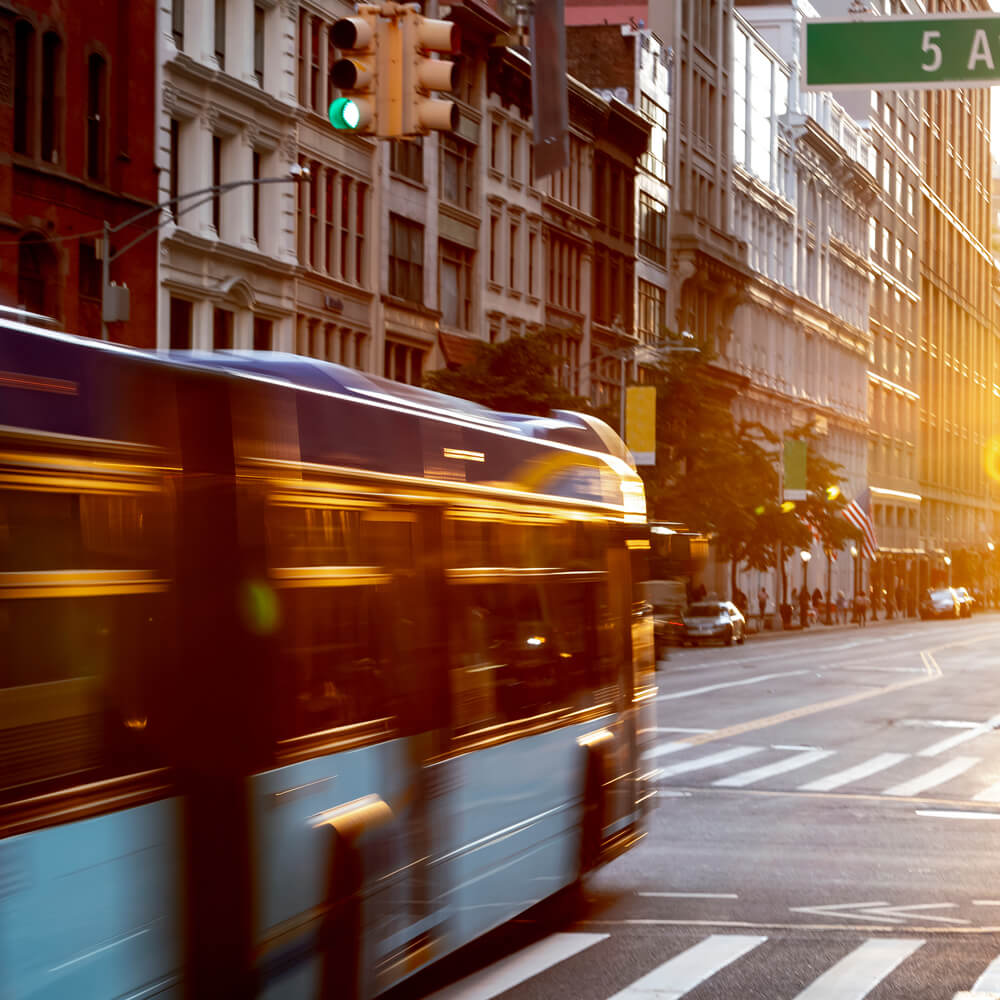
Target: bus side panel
{"points": [[514, 831], [292, 809], [91, 908]]}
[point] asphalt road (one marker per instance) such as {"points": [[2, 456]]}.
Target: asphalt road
{"points": [[827, 828]]}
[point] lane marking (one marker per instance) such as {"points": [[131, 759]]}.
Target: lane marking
{"points": [[770, 770], [515, 969], [989, 981], [956, 814], [991, 794], [678, 729], [851, 929], [690, 895], [691, 692], [687, 970], [699, 763], [986, 902], [863, 770], [953, 741], [858, 973], [664, 748], [937, 776], [939, 723], [883, 912]]}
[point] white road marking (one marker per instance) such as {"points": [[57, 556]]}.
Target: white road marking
{"points": [[699, 763], [769, 770], [989, 981], [664, 748], [840, 911], [939, 723], [956, 814], [685, 971], [676, 729], [855, 975], [872, 766], [690, 693], [691, 895], [515, 969], [986, 902], [991, 794], [792, 746], [937, 776], [953, 741]]}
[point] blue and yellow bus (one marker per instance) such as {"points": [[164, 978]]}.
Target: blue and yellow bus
{"points": [[307, 678]]}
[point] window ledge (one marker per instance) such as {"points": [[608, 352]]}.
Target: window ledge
{"points": [[408, 181]]}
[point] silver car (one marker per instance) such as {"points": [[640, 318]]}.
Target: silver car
{"points": [[713, 621]]}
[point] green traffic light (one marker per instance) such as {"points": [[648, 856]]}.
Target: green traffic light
{"points": [[345, 114]]}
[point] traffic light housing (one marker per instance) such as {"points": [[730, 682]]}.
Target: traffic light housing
{"points": [[422, 113], [355, 74]]}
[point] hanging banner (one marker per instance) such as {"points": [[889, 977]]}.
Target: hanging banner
{"points": [[794, 483], [640, 423]]}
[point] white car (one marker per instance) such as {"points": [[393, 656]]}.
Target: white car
{"points": [[713, 621]]}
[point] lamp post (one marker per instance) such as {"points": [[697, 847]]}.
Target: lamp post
{"points": [[854, 556], [947, 562], [988, 596], [805, 555]]}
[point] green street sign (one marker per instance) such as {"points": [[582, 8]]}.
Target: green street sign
{"points": [[960, 50]]}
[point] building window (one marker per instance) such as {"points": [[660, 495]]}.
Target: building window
{"points": [[222, 330], [89, 277], [51, 59], [345, 227], [96, 102], [515, 157], [495, 145], [259, 20], [177, 23], [37, 275], [512, 248], [651, 311], [403, 362], [406, 259], [456, 285], [175, 164], [314, 193], [24, 44], [494, 228], [255, 218], [303, 46], [532, 254], [314, 95], [330, 235], [457, 171], [181, 314], [360, 228], [220, 33], [263, 331], [406, 158], [654, 160], [216, 182], [652, 228]]}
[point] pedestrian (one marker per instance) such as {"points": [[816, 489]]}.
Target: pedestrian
{"points": [[804, 608], [841, 607], [861, 608], [762, 605], [901, 599]]}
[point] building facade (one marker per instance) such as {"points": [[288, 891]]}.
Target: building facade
{"points": [[77, 111], [804, 187]]}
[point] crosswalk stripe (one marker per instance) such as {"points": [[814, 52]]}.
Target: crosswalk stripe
{"points": [[685, 971], [769, 770], [515, 969], [856, 974], [872, 766], [937, 776], [953, 741], [989, 981], [991, 794], [664, 748], [699, 763]]}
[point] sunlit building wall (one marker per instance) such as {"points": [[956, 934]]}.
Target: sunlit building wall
{"points": [[803, 191], [228, 112], [957, 333]]}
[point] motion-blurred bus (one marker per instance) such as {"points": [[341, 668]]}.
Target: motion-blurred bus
{"points": [[307, 678]]}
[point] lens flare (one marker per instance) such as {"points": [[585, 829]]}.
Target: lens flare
{"points": [[991, 458], [788, 506], [259, 605]]}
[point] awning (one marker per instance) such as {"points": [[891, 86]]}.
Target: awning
{"points": [[458, 351]]}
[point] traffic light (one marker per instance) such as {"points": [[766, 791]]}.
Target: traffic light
{"points": [[355, 75], [421, 74]]}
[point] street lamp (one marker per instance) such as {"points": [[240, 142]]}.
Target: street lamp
{"points": [[805, 555], [857, 583], [947, 562]]}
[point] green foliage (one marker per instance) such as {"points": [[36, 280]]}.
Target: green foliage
{"points": [[516, 375]]}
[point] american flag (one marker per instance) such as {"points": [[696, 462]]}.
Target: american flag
{"points": [[858, 512]]}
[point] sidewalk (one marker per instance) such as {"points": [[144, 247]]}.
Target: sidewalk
{"points": [[820, 629]]}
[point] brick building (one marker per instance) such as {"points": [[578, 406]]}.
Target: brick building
{"points": [[77, 104]]}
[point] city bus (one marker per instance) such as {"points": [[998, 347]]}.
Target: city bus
{"points": [[307, 678]]}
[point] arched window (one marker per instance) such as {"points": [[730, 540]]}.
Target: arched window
{"points": [[37, 275], [97, 73], [24, 89], [51, 95]]}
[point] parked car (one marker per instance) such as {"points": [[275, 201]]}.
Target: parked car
{"points": [[668, 630], [966, 602], [713, 621], [941, 602]]}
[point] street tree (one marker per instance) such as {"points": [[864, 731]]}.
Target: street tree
{"points": [[514, 375]]}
